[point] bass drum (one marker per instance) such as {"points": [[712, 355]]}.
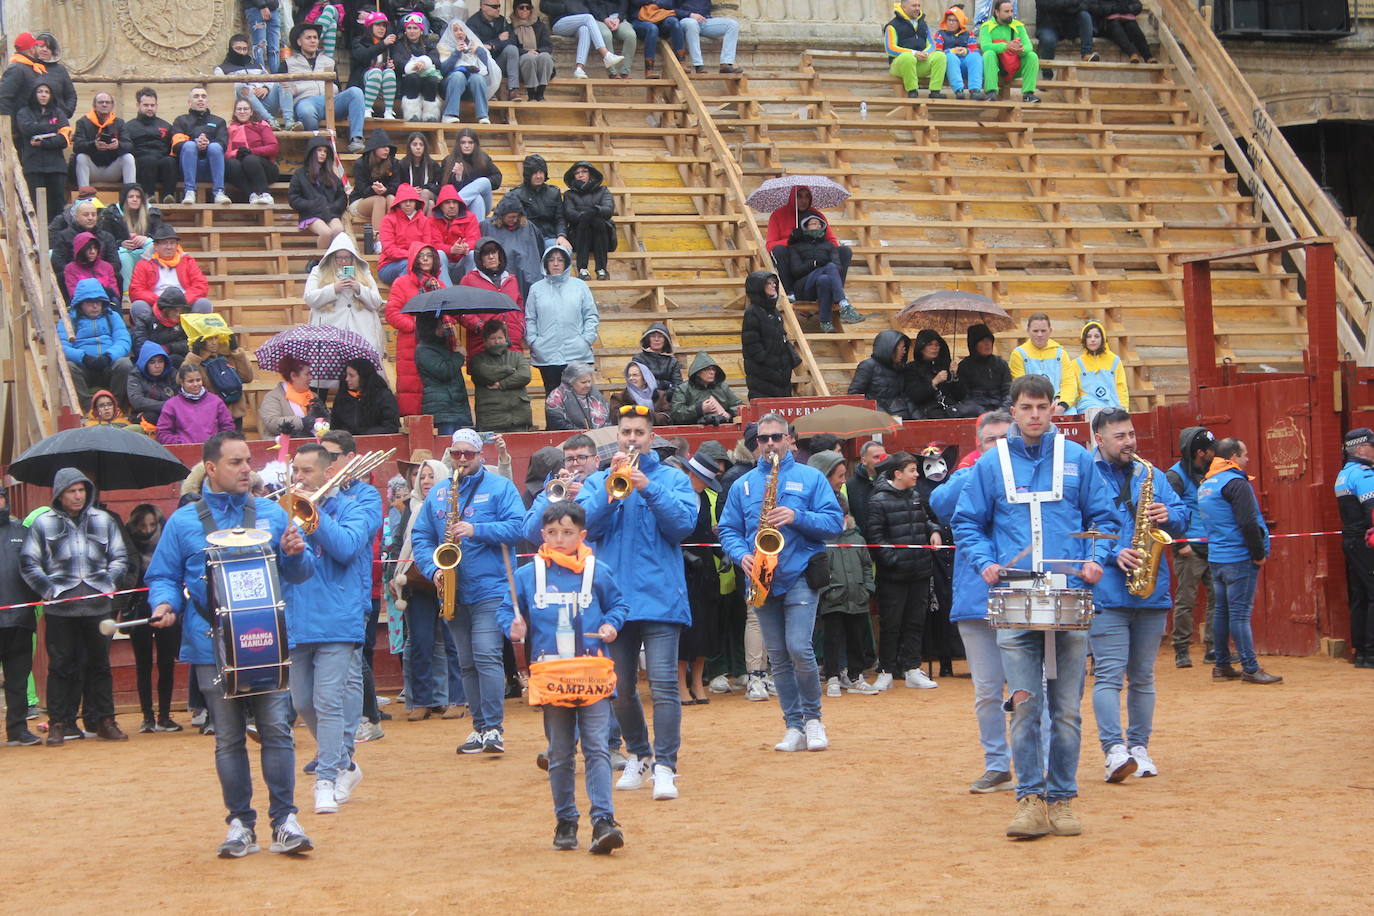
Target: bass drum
{"points": [[249, 631]]}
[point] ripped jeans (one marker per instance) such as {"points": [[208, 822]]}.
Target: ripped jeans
{"points": [[1053, 776]]}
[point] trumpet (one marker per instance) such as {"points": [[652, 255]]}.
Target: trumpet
{"points": [[618, 483], [304, 510], [558, 488]]}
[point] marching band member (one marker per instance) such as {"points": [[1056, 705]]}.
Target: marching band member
{"points": [[969, 610], [1037, 484], [327, 625], [178, 564], [642, 534], [580, 461], [489, 514], [1354, 492], [806, 512], [567, 584], [1126, 631]]}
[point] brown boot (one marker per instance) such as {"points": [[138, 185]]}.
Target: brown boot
{"points": [[1032, 819], [108, 730], [55, 738], [1062, 819]]}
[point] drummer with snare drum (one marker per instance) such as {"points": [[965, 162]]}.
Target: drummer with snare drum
{"points": [[1023, 501], [178, 563]]}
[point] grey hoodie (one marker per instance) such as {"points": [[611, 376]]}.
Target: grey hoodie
{"points": [[81, 554]]}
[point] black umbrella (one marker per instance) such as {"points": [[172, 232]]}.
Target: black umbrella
{"points": [[114, 459], [460, 299]]}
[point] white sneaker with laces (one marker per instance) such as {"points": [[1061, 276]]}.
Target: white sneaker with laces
{"points": [[919, 680], [222, 198], [484, 120], [845, 682], [1119, 764], [832, 687], [325, 802], [633, 776], [771, 687], [756, 690], [368, 731], [189, 197], [1144, 766], [816, 738], [290, 838], [253, 198], [239, 842], [794, 740], [719, 684], [266, 200], [884, 681], [579, 73], [348, 781], [861, 686], [612, 61], [665, 783], [451, 119]]}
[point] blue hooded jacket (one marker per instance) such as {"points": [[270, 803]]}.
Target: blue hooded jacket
{"points": [[989, 529], [180, 561], [970, 601], [802, 489], [330, 607], [642, 534], [496, 512], [1110, 591], [607, 606], [104, 335], [367, 496]]}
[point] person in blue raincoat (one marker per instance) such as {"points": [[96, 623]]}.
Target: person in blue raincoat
{"points": [[1038, 479], [179, 564], [807, 514], [490, 514], [641, 536], [1127, 629]]}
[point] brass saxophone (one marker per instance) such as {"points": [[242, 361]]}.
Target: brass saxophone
{"points": [[1147, 539], [449, 554], [768, 542]]}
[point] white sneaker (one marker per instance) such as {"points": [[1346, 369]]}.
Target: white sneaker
{"points": [[816, 739], [189, 197], [884, 681], [769, 685], [756, 690], [613, 60], [222, 198], [919, 680], [266, 200], [665, 783], [859, 685], [325, 802], [1119, 764], [845, 682], [348, 781], [484, 120], [388, 115], [368, 731], [719, 684], [383, 701], [253, 198], [579, 73], [290, 838], [832, 687], [451, 119], [239, 842], [1144, 766], [794, 740], [633, 777], [199, 718]]}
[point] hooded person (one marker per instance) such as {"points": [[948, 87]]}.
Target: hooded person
{"points": [[843, 604], [375, 180], [152, 386], [342, 293], [785, 219], [813, 263], [1096, 379], [454, 230], [87, 264], [986, 378], [27, 68], [542, 202], [99, 337], [705, 398], [561, 318], [641, 388], [405, 224], [962, 54], [1196, 449], [500, 378], [519, 238], [76, 551], [83, 216], [934, 393], [576, 403], [425, 275], [41, 134], [490, 274], [544, 463], [131, 223], [363, 404], [438, 363], [882, 377], [769, 357], [105, 411], [194, 413], [587, 210], [656, 352]]}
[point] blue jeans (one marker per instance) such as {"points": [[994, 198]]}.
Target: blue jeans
{"points": [[267, 107], [726, 29], [421, 617], [478, 637], [582, 25], [650, 34], [824, 286], [964, 72], [266, 38], [347, 104], [659, 640], [1125, 642], [319, 688], [787, 622], [194, 164], [476, 195], [985, 665], [474, 85], [1048, 35], [563, 726], [1234, 587], [271, 712], [1023, 659], [353, 702]]}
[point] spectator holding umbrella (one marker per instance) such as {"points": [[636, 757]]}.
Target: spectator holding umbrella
{"points": [[424, 276], [194, 413], [788, 201], [439, 363], [364, 405], [291, 408]]}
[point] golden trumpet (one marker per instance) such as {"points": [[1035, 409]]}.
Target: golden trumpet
{"points": [[618, 482], [304, 510]]}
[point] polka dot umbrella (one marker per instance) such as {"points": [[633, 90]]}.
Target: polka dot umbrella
{"points": [[325, 348]]}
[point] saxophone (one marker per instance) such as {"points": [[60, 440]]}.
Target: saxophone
{"points": [[448, 555], [768, 542], [1147, 539]]}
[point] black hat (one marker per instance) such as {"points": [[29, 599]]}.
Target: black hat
{"points": [[294, 39], [171, 298], [751, 436], [165, 231], [1360, 436]]}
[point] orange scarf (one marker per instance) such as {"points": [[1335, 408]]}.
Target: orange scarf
{"points": [[90, 116], [571, 562], [1224, 464], [29, 62], [171, 262], [302, 399]]}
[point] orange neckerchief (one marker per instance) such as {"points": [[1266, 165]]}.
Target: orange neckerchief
{"points": [[29, 62], [572, 563], [173, 262], [1224, 464], [90, 116], [302, 399], [356, 394]]}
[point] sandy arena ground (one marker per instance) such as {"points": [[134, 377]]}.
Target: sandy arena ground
{"points": [[1264, 803]]}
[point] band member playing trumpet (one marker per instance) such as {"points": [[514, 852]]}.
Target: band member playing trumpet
{"points": [[1128, 626], [580, 461], [484, 517], [179, 563], [327, 624], [641, 533], [793, 504]]}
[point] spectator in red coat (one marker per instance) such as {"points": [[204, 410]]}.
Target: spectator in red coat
{"points": [[491, 274], [454, 230], [404, 225], [166, 267], [784, 221], [425, 275], [250, 162]]}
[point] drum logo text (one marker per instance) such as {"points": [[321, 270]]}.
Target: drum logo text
{"points": [[257, 639]]}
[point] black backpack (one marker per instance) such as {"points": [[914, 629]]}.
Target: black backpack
{"points": [[223, 378]]}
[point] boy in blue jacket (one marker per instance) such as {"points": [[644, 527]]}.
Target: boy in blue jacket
{"points": [[99, 338], [569, 607]]}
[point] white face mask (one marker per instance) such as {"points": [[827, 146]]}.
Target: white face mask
{"points": [[934, 469]]}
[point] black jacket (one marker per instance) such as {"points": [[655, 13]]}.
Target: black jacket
{"points": [[13, 588], [931, 400], [86, 133], [879, 380], [858, 489], [987, 379], [374, 413], [362, 170], [150, 136], [316, 200], [662, 363], [172, 339], [16, 87], [543, 205], [31, 121], [1059, 14], [364, 54], [769, 356], [897, 517], [805, 254], [487, 32], [604, 9], [194, 123], [590, 196]]}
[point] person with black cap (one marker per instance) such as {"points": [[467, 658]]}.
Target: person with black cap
{"points": [[1196, 448], [704, 568], [167, 267], [17, 625], [1355, 499]]}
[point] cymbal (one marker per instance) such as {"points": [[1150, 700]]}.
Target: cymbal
{"points": [[1092, 534], [239, 537]]}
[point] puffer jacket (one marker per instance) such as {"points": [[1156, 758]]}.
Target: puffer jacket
{"points": [[687, 401], [851, 576], [372, 412], [898, 517], [114, 220], [63, 552], [879, 380], [32, 120], [399, 233], [191, 125], [543, 205], [362, 167], [445, 232], [805, 254], [561, 317], [507, 285], [153, 326], [662, 363], [104, 335], [63, 242], [987, 379], [146, 393], [324, 199], [444, 392], [329, 607], [769, 356], [935, 401], [523, 245], [407, 286], [507, 408], [589, 198]]}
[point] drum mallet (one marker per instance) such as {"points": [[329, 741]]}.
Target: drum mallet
{"points": [[110, 627]]}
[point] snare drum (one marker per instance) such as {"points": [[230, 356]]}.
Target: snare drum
{"points": [[249, 632], [579, 681], [1040, 608]]}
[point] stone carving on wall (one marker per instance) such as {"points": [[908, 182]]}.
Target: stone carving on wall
{"points": [[171, 30], [84, 31], [123, 38]]}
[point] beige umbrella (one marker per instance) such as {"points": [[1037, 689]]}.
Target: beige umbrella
{"points": [[845, 421]]}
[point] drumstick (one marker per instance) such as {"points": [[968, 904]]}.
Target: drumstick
{"points": [[110, 627]]}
